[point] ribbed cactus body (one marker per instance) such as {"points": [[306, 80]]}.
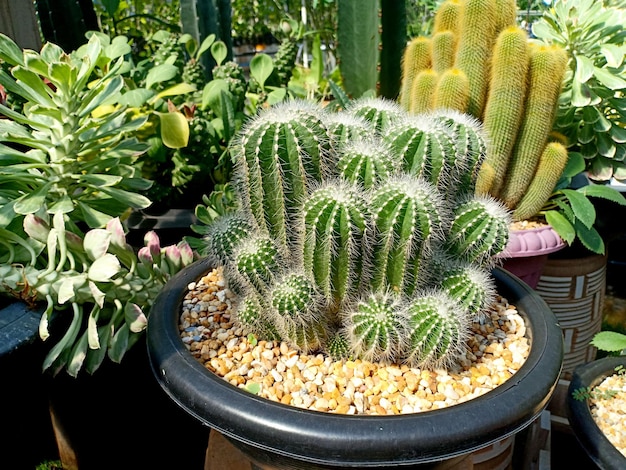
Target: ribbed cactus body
{"points": [[338, 346], [277, 158], [417, 57], [423, 91], [426, 150], [256, 262], [505, 103], [295, 306], [452, 91], [335, 220], [225, 234], [547, 67], [470, 286], [380, 112], [443, 49], [252, 314], [407, 214], [471, 144], [436, 330], [375, 328], [343, 128], [551, 166], [478, 26], [479, 231], [366, 161]]}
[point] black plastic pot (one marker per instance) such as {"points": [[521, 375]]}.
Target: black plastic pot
{"points": [[282, 436], [591, 438]]}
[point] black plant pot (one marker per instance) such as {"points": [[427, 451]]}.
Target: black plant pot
{"points": [[282, 436], [591, 438]]}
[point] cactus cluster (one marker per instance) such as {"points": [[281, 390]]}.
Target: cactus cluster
{"points": [[478, 61], [359, 233]]}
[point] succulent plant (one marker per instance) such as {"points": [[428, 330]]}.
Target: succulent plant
{"points": [[364, 247]]}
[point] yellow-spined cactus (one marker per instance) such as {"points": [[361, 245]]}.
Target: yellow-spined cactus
{"points": [[487, 67], [452, 91], [505, 102], [443, 49], [551, 165], [417, 57], [547, 67], [423, 91]]}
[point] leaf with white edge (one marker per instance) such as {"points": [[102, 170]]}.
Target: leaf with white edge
{"points": [[104, 268], [66, 291], [96, 356], [92, 329], [78, 354], [96, 243], [118, 237], [610, 80], [10, 52], [610, 341], [135, 318], [174, 130], [119, 343], [97, 294]]}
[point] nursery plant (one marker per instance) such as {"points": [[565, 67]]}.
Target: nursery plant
{"points": [[479, 61], [67, 179], [359, 230]]}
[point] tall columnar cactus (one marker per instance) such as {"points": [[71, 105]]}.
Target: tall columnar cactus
{"points": [[357, 278], [497, 75], [417, 57]]}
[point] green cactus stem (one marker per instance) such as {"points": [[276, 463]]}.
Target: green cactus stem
{"points": [[343, 127], [478, 34], [504, 110], [380, 112], [338, 346], [506, 14], [335, 222], [480, 230], [452, 91], [366, 161], [437, 330], [374, 328], [276, 157], [470, 142], [417, 57], [551, 166], [407, 213], [427, 150], [423, 91], [250, 313], [256, 262], [471, 287], [547, 68], [225, 233], [295, 307]]}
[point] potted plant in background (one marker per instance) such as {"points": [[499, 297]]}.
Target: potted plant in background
{"points": [[68, 180], [595, 402], [311, 247]]}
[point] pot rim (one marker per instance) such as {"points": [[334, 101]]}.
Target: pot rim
{"points": [[591, 438], [326, 438]]}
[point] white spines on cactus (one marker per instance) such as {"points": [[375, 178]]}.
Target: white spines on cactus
{"points": [[379, 111]]}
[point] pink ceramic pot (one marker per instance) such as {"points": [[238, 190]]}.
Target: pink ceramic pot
{"points": [[527, 252]]}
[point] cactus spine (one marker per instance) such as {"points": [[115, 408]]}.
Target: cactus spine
{"points": [[417, 57], [355, 277], [447, 16], [423, 91], [443, 49], [452, 91]]}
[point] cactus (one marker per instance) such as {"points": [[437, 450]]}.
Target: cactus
{"points": [[356, 278], [436, 330], [224, 234], [447, 16], [422, 96], [417, 57], [443, 50], [277, 156], [335, 220], [452, 91]]}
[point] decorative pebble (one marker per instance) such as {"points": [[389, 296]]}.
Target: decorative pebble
{"points": [[608, 408], [496, 350]]}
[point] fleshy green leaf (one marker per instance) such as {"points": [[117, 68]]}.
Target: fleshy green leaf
{"points": [[174, 130], [219, 52], [104, 268], [160, 73], [9, 51], [261, 67], [96, 243]]}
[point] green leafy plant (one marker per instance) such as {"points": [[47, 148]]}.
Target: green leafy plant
{"points": [[390, 262], [67, 178]]}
